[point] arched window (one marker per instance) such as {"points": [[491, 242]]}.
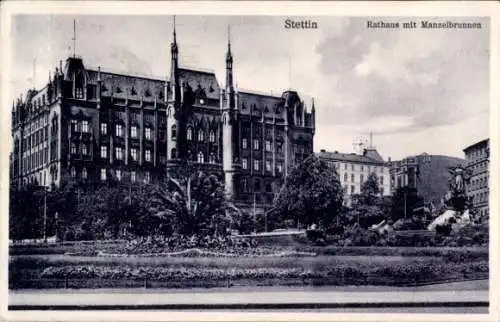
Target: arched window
{"points": [[189, 134], [73, 148], [244, 185], [173, 153], [201, 157], [73, 172], [84, 173], [212, 158], [174, 132], [201, 135], [212, 136]]}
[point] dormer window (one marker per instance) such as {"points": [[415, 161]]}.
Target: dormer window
{"points": [[147, 93], [118, 89], [133, 91], [79, 84]]}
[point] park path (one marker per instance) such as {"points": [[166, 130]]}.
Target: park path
{"points": [[471, 292]]}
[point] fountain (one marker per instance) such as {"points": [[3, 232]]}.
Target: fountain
{"points": [[458, 205]]}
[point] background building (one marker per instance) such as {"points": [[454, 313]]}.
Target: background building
{"points": [[90, 125], [354, 169], [477, 156], [427, 173]]}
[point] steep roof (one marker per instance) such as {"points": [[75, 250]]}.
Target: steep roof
{"points": [[202, 82], [255, 103], [346, 157], [122, 86]]}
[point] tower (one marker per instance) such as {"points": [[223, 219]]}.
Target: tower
{"points": [[229, 127], [172, 97]]}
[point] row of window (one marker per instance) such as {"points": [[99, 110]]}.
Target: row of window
{"points": [[267, 144], [103, 175], [355, 167], [361, 178], [480, 197], [477, 154], [256, 165], [479, 183], [36, 159], [36, 138]]}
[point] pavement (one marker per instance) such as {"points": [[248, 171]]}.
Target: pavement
{"points": [[469, 297]]}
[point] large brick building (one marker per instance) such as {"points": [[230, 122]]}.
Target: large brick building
{"points": [[478, 159], [91, 125]]}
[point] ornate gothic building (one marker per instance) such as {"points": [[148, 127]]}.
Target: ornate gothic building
{"points": [[90, 125]]}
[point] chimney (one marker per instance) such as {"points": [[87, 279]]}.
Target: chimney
{"points": [[323, 150]]}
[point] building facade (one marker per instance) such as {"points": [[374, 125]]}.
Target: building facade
{"points": [[91, 125], [425, 172], [477, 156], [354, 169]]}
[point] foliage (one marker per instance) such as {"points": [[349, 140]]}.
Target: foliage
{"points": [[370, 189], [311, 194], [191, 203], [404, 196], [26, 222]]}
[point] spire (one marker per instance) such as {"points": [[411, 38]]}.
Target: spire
{"points": [[74, 38], [99, 73], [229, 56], [313, 109], [173, 47], [229, 66]]}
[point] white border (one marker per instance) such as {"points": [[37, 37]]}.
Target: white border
{"points": [[490, 9]]}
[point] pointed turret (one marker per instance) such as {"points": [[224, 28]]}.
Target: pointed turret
{"points": [[229, 72], [174, 65]]}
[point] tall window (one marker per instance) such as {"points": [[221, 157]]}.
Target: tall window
{"points": [[85, 149], [118, 174], [133, 154], [345, 177], [119, 153], [73, 172], [352, 190], [104, 151], [84, 173], [244, 163], [381, 180], [268, 146], [189, 134], [352, 177], [119, 130], [104, 129], [361, 178], [173, 132], [74, 125], [103, 174], [255, 144], [279, 165], [173, 153], [212, 136], [85, 126], [201, 157], [212, 158], [268, 165], [73, 148], [256, 165], [352, 167], [147, 177], [244, 143], [133, 131], [201, 135], [148, 133], [132, 176], [148, 155]]}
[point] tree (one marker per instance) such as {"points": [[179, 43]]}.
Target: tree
{"points": [[191, 202], [370, 190], [25, 212], [311, 194]]}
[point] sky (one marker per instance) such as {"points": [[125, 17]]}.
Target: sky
{"points": [[416, 90]]}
